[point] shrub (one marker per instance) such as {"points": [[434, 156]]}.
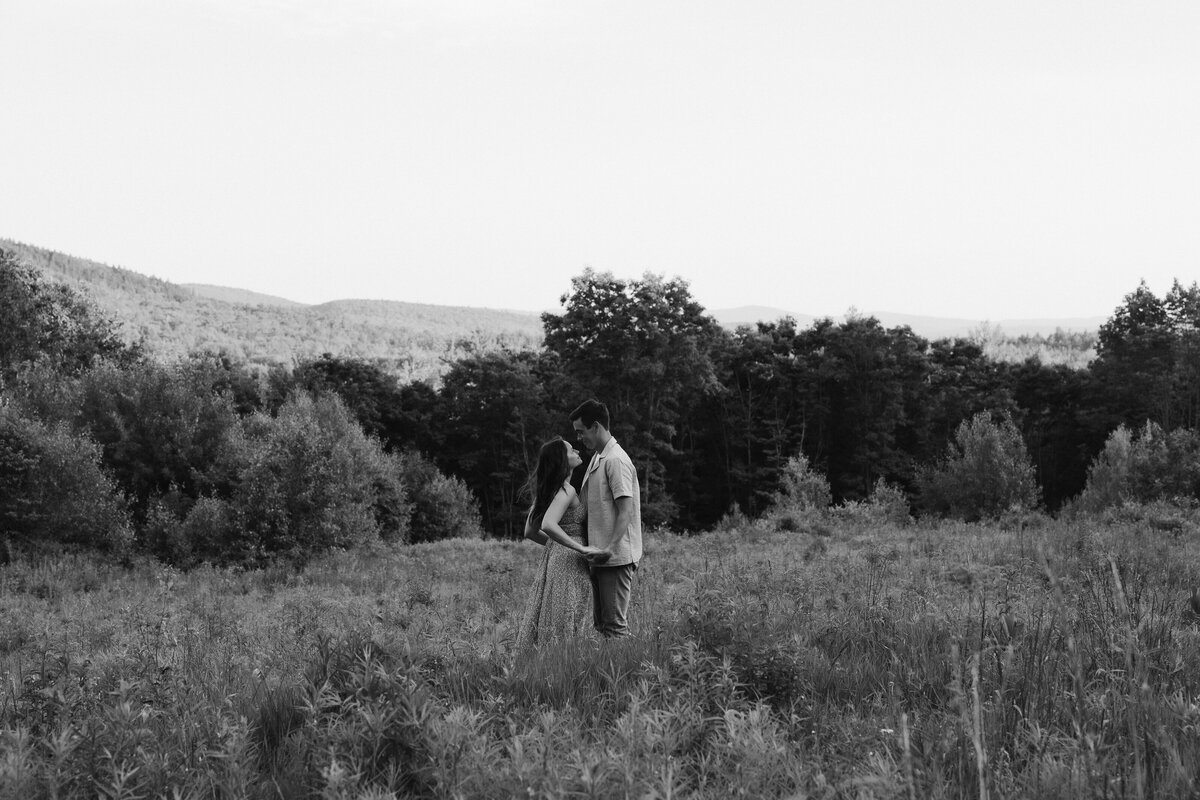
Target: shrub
{"points": [[311, 480], [1108, 483], [205, 532], [889, 503], [302, 481], [52, 488], [786, 521], [801, 487], [306, 480], [886, 504], [161, 427], [1152, 465], [442, 506], [986, 473], [734, 521], [803, 493], [161, 534]]}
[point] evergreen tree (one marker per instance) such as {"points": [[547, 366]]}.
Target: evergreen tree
{"points": [[868, 375], [1051, 401], [1135, 364], [493, 419]]}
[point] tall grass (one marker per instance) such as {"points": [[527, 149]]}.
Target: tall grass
{"points": [[1023, 658]]}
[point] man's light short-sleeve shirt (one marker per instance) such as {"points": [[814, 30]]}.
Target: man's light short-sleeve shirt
{"points": [[611, 475]]}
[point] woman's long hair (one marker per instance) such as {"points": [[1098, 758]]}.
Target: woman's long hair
{"points": [[552, 469]]}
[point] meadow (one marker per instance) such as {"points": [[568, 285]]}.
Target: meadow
{"points": [[846, 658]]}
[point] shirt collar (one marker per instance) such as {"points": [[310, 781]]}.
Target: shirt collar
{"points": [[601, 453], [609, 445]]}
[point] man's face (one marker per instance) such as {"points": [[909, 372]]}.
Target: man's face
{"points": [[585, 435]]}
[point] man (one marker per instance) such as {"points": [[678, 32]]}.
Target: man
{"points": [[612, 502]]}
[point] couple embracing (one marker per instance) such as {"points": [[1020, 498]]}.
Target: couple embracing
{"points": [[593, 537]]}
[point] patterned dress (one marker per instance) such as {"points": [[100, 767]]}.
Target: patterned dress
{"points": [[560, 601]]}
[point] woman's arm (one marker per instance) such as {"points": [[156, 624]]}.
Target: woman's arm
{"points": [[558, 507], [532, 532]]}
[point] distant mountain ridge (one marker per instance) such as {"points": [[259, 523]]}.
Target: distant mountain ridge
{"points": [[411, 340], [241, 296]]}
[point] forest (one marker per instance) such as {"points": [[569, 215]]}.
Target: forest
{"points": [[206, 458]]}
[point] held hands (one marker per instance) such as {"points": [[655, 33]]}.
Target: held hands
{"points": [[596, 555]]}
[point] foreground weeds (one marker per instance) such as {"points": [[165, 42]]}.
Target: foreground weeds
{"points": [[839, 659]]}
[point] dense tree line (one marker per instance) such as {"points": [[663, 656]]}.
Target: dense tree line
{"points": [[208, 457], [710, 416]]}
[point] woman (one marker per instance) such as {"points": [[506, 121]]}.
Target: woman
{"points": [[560, 601]]}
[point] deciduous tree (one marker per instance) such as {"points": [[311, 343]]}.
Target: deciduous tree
{"points": [[644, 348], [42, 320]]}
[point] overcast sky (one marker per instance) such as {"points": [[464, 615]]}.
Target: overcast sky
{"points": [[963, 158]]}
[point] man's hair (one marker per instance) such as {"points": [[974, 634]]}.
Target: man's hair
{"points": [[590, 412]]}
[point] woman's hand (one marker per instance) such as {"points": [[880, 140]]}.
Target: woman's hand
{"points": [[596, 555]]}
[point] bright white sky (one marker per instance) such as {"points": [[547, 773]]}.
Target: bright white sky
{"points": [[961, 158]]}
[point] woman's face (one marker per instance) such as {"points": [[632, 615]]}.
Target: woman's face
{"points": [[573, 459]]}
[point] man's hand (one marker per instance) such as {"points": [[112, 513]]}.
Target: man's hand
{"points": [[596, 556]]}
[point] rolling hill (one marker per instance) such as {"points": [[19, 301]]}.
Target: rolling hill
{"points": [[415, 341], [411, 340], [238, 296]]}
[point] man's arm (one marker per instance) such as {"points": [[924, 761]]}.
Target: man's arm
{"points": [[624, 517], [621, 480]]}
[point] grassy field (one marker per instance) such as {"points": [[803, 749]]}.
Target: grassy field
{"points": [[1031, 658]]}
